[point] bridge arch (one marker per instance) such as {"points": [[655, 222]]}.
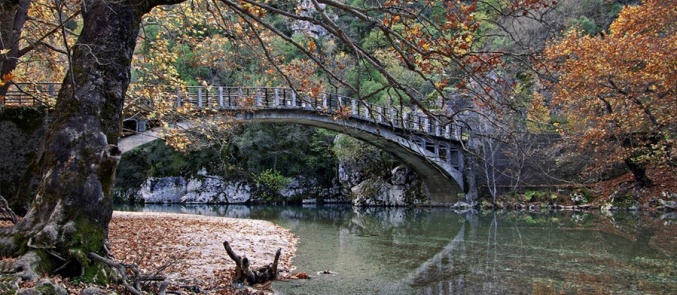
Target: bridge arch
{"points": [[443, 181]]}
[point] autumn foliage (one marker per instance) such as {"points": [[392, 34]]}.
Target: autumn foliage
{"points": [[617, 90]]}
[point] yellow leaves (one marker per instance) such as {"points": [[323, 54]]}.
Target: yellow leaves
{"points": [[415, 30], [312, 47], [177, 140], [253, 9], [538, 115], [469, 38], [238, 29], [425, 46], [459, 50], [4, 51]]}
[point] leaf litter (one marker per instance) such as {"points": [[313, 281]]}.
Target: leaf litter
{"points": [[188, 249]]}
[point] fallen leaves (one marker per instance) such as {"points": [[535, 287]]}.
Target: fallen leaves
{"points": [[188, 248], [300, 276]]}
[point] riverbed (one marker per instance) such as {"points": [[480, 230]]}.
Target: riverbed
{"points": [[440, 251]]}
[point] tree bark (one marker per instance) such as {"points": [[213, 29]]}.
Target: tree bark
{"points": [[72, 208], [639, 173]]}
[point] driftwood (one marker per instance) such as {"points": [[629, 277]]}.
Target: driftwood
{"points": [[245, 275]]}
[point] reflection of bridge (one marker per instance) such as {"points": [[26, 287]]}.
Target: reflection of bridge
{"points": [[431, 146], [435, 275]]}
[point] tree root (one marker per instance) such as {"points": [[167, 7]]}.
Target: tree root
{"points": [[26, 266], [259, 276], [130, 276], [6, 212]]}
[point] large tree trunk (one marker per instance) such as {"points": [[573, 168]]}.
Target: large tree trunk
{"points": [[639, 173], [72, 206]]}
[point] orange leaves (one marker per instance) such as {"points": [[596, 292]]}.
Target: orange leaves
{"points": [[302, 74], [300, 276], [648, 19], [6, 78], [615, 88], [391, 20], [312, 47]]}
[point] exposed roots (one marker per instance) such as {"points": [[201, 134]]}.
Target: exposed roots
{"points": [[27, 265], [6, 213], [130, 276]]}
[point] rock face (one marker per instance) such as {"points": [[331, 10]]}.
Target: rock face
{"points": [[400, 188], [202, 189], [212, 189], [302, 186], [163, 190], [366, 178]]}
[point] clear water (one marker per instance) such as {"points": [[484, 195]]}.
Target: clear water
{"points": [[439, 251]]}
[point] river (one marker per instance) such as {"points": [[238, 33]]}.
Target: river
{"points": [[441, 251]]}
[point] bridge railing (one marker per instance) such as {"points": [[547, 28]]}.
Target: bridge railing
{"points": [[30, 95], [234, 98]]}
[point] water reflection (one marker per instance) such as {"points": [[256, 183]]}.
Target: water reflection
{"points": [[438, 251]]}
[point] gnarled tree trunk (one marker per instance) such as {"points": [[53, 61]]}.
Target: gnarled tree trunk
{"points": [[72, 208]]}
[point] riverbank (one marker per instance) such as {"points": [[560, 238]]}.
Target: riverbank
{"points": [[188, 250], [616, 194]]}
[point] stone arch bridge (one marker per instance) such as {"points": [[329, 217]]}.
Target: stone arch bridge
{"points": [[431, 147]]}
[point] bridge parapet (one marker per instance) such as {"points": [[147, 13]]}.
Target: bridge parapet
{"points": [[237, 98]]}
